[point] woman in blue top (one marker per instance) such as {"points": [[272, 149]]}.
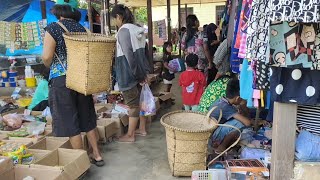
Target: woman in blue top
{"points": [[72, 112]]}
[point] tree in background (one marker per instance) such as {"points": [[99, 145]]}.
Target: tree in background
{"points": [[141, 15]]}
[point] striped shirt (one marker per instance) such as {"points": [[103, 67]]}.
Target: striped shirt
{"points": [[308, 118]]}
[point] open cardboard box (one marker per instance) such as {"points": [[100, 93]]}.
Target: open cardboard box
{"points": [[69, 163], [106, 128], [6, 164], [100, 108], [52, 143], [118, 126]]}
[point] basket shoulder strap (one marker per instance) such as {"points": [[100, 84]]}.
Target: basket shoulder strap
{"points": [[63, 27], [64, 68], [232, 145]]}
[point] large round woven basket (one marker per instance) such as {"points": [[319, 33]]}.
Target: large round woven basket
{"points": [[90, 58], [187, 135]]}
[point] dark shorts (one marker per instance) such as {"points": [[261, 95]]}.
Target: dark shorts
{"points": [[72, 112], [132, 99]]}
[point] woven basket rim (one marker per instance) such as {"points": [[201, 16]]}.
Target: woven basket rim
{"points": [[184, 130], [108, 40]]}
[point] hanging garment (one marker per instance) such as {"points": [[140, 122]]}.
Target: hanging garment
{"points": [[295, 10], [293, 45], [308, 118], [231, 25], [258, 31], [262, 75], [235, 61], [246, 82], [316, 62], [300, 86]]}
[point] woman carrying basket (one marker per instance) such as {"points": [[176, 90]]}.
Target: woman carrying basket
{"points": [[72, 112], [131, 67]]}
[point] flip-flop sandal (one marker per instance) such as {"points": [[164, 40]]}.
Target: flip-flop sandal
{"points": [[97, 163], [141, 134]]}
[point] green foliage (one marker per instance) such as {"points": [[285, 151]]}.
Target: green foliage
{"points": [[141, 15]]}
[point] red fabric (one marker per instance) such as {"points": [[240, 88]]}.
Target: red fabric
{"points": [[191, 94]]}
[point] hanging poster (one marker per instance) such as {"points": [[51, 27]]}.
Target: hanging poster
{"points": [[162, 29]]}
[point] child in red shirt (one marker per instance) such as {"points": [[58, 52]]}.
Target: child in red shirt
{"points": [[193, 83]]}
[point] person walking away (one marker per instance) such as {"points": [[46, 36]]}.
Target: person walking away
{"points": [[195, 42], [168, 72], [72, 112], [131, 67], [193, 83]]}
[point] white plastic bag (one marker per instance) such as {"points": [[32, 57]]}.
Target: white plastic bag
{"points": [[147, 102]]}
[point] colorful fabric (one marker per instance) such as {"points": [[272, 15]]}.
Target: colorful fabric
{"points": [[215, 91], [193, 83], [246, 82], [294, 45], [301, 86], [234, 59], [57, 69], [258, 31], [195, 46], [306, 11], [41, 94]]}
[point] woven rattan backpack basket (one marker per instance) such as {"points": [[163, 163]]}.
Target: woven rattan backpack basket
{"points": [[187, 135], [89, 61]]}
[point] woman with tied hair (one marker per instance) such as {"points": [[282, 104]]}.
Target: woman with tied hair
{"points": [[72, 112], [131, 67], [195, 42]]}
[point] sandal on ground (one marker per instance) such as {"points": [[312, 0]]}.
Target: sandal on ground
{"points": [[97, 163], [140, 134]]}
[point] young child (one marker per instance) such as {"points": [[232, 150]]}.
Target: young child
{"points": [[168, 72], [193, 83], [234, 113]]}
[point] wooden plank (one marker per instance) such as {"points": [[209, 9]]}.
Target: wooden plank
{"points": [[169, 20], [90, 16], [43, 9], [150, 34], [283, 141]]}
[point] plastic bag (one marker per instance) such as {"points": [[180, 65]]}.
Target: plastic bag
{"points": [[36, 128], [147, 102], [13, 120]]}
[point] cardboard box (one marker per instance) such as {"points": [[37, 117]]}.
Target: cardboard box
{"points": [[100, 108], [52, 143], [34, 140], [21, 172], [71, 163], [6, 164], [306, 170], [107, 128], [165, 96], [118, 125]]}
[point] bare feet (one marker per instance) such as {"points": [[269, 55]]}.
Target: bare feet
{"points": [[127, 139], [139, 132]]}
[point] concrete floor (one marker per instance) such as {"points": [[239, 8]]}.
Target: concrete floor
{"points": [[144, 160]]}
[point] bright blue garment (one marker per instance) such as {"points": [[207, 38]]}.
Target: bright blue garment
{"points": [[308, 147], [41, 93], [246, 83]]}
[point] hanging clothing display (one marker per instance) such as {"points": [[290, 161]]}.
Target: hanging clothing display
{"points": [[293, 45], [246, 82], [295, 10], [258, 31], [300, 86]]}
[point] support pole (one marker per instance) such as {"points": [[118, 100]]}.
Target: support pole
{"points": [[186, 11], [150, 34], [43, 9], [169, 20], [90, 16], [179, 25], [283, 141], [115, 2], [108, 16]]}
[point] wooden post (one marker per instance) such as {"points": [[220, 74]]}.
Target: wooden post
{"points": [[283, 141], [102, 16], [179, 25], [169, 20], [43, 9], [186, 10], [115, 2], [108, 15], [150, 34], [90, 16]]}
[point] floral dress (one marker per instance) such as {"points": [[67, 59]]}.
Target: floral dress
{"points": [[215, 91], [195, 46]]}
